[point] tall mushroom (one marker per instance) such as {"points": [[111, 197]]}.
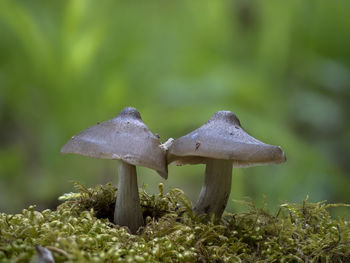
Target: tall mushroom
{"points": [[221, 143], [126, 139]]}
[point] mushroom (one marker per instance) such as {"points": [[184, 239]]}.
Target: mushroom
{"points": [[126, 139], [221, 143]]}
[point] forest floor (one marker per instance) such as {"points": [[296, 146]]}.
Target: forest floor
{"points": [[80, 230]]}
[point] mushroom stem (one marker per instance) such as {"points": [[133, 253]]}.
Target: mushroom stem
{"points": [[127, 208], [216, 188]]}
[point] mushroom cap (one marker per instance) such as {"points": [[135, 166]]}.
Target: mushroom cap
{"points": [[124, 138], [222, 137]]}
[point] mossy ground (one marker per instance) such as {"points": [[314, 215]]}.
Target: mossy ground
{"points": [[80, 230]]}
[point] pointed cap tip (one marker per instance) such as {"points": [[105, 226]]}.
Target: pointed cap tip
{"points": [[226, 116], [130, 112]]}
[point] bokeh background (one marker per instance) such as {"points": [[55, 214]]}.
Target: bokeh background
{"points": [[282, 66]]}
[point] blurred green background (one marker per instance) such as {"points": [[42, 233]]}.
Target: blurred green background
{"points": [[282, 66]]}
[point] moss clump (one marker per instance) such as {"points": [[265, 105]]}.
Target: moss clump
{"points": [[79, 231]]}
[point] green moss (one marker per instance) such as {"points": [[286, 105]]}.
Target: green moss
{"points": [[79, 230]]}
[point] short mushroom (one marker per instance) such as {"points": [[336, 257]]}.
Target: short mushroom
{"points": [[221, 143], [126, 139]]}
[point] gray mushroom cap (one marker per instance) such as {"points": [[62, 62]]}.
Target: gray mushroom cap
{"points": [[124, 138], [222, 137]]}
